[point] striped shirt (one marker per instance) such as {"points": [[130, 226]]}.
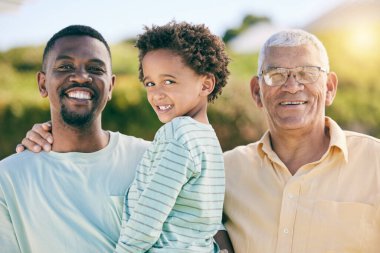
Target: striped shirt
{"points": [[176, 200]]}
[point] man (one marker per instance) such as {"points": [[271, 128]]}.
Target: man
{"points": [[70, 199], [307, 185]]}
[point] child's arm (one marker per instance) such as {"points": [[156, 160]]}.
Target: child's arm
{"points": [[37, 139], [223, 240], [144, 226]]}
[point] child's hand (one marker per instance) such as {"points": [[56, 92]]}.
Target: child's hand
{"points": [[36, 139], [224, 251]]}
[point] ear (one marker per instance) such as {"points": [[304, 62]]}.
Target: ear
{"points": [[331, 88], [41, 81], [113, 79], [208, 84], [256, 91]]}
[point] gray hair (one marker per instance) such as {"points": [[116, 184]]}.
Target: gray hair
{"points": [[292, 38]]}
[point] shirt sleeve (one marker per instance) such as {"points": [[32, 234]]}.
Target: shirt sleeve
{"points": [[175, 167], [8, 240]]}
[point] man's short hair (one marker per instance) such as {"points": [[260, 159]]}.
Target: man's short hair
{"points": [[73, 30], [292, 38]]}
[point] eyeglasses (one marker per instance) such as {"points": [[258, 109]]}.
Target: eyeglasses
{"points": [[303, 75]]}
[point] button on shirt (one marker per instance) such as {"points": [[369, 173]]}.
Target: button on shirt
{"points": [[331, 205]]}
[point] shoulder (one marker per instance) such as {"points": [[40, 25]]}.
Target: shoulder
{"points": [[362, 140], [359, 144], [352, 136], [22, 162], [130, 142], [185, 129], [238, 152], [19, 158], [242, 159]]}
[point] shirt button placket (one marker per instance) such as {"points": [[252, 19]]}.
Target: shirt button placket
{"points": [[287, 217]]}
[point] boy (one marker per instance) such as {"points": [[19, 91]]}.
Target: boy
{"points": [[176, 200]]}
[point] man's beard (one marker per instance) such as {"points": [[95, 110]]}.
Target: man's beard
{"points": [[75, 119]]}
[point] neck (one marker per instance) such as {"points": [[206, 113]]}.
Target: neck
{"points": [[296, 148], [75, 139], [200, 113]]}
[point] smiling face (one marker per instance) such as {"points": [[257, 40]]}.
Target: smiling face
{"points": [[174, 89], [77, 79], [293, 105]]}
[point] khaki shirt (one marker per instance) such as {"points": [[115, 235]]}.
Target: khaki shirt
{"points": [[331, 205]]}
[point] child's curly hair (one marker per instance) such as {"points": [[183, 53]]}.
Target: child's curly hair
{"points": [[199, 48]]}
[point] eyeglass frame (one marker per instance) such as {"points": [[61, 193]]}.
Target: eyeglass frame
{"points": [[289, 71]]}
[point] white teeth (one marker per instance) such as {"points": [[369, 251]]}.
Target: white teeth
{"points": [[293, 103], [79, 95], [164, 107]]}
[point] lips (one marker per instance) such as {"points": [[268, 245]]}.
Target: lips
{"points": [[292, 102], [79, 92], [164, 108]]}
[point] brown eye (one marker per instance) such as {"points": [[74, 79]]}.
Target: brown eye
{"points": [[168, 82], [149, 84], [65, 67], [96, 70]]}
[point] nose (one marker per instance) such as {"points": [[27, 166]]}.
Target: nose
{"points": [[156, 93], [80, 76], [291, 85]]}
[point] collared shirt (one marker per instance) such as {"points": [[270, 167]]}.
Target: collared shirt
{"points": [[331, 205]]}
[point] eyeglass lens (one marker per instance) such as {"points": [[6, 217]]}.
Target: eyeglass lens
{"points": [[303, 75]]}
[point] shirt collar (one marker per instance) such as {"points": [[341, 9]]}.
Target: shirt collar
{"points": [[337, 139]]}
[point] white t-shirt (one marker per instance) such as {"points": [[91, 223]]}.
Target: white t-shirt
{"points": [[66, 202]]}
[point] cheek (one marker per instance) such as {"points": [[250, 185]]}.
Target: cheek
{"points": [[320, 94], [267, 97], [149, 97]]}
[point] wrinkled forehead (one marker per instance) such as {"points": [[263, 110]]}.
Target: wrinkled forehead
{"points": [[291, 56], [82, 48]]}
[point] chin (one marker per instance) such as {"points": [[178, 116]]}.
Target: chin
{"points": [[291, 123], [165, 120], [77, 120]]}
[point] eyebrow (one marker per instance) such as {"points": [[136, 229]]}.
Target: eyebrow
{"points": [[274, 67], [163, 75], [63, 57], [66, 57]]}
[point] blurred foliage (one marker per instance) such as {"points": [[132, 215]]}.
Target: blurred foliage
{"points": [[248, 21], [24, 59], [355, 57], [234, 115], [124, 59]]}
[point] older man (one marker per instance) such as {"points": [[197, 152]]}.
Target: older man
{"points": [[70, 199], [307, 186]]}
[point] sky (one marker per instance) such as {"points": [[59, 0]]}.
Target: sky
{"points": [[33, 22]]}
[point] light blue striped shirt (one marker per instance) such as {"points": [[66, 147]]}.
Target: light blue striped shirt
{"points": [[176, 200]]}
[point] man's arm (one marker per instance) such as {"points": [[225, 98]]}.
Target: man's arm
{"points": [[223, 240], [8, 240]]}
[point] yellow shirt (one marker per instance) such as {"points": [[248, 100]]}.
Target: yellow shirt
{"points": [[331, 205]]}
